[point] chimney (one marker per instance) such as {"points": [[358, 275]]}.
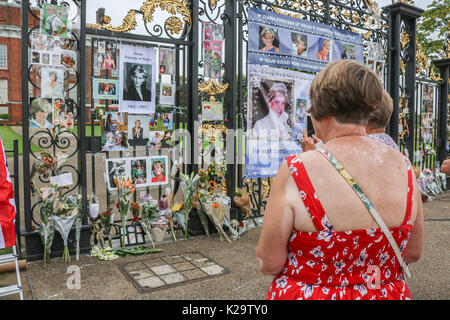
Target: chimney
{"points": [[100, 14]]}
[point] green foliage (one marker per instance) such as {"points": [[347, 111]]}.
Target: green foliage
{"points": [[433, 29]]}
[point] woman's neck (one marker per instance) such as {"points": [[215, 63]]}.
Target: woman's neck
{"points": [[374, 130], [344, 130]]}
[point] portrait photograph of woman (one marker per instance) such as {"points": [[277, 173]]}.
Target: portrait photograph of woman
{"points": [[138, 81], [52, 83], [272, 109], [269, 40], [41, 113], [324, 52]]}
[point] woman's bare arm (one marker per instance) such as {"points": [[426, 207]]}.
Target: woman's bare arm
{"points": [[272, 248], [414, 247]]}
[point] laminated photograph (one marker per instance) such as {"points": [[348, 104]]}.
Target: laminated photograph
{"points": [[137, 82], [52, 83], [167, 94], [54, 20]]}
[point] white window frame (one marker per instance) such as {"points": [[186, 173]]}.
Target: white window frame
{"points": [[4, 100], [6, 57]]}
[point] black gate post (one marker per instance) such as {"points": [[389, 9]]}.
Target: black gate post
{"points": [[192, 111], [25, 118], [443, 65], [408, 14], [82, 112], [230, 30]]}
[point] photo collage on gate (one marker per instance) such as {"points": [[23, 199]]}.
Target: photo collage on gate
{"points": [[134, 86], [426, 114], [54, 62], [375, 59], [212, 40], [281, 50]]}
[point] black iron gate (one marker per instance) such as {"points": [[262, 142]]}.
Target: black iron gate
{"points": [[179, 28]]}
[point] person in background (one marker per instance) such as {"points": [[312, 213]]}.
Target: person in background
{"points": [[379, 119], [445, 167], [318, 238], [375, 128]]}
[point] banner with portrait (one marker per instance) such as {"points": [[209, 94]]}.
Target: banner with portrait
{"points": [[278, 40], [276, 117], [137, 81]]}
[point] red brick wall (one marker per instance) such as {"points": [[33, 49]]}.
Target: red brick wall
{"points": [[12, 16]]}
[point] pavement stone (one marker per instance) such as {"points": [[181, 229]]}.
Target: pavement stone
{"points": [[103, 280]]}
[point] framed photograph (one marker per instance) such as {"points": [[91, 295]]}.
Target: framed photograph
{"points": [[159, 170], [106, 89], [115, 168], [135, 235], [138, 130], [52, 83], [109, 60], [115, 140], [54, 20], [41, 113], [35, 57]]}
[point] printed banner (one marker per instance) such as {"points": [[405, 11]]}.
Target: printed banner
{"points": [[137, 82], [282, 41], [276, 117]]}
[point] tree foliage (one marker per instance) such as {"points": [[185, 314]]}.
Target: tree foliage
{"points": [[434, 29]]}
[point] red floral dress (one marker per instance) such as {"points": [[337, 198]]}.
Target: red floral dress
{"points": [[329, 264]]}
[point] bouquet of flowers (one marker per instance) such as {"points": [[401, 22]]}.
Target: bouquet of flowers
{"points": [[125, 189], [106, 220], [149, 213], [46, 229], [66, 211], [189, 186]]}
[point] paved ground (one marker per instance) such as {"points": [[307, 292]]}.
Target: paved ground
{"points": [[104, 280]]}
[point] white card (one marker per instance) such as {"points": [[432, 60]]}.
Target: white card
{"points": [[94, 208], [62, 180]]}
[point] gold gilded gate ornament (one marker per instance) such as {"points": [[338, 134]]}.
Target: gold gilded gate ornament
{"points": [[129, 23], [174, 24]]}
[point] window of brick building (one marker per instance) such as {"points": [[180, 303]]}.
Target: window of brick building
{"points": [[3, 56], [3, 91]]}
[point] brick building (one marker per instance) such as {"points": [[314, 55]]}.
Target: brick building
{"points": [[10, 60]]}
